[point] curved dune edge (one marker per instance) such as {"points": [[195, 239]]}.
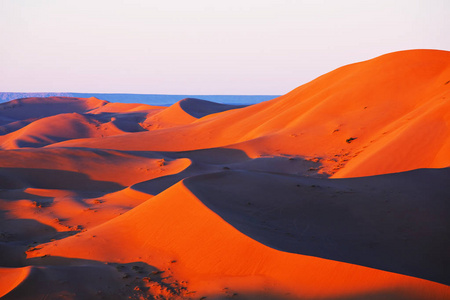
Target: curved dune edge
{"points": [[57, 167], [396, 222], [10, 278], [212, 255]]}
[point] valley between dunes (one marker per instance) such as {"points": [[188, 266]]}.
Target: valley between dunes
{"points": [[339, 189]]}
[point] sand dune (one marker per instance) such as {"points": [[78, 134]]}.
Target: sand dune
{"points": [[87, 119], [346, 115], [184, 112], [26, 108], [53, 129], [176, 226], [361, 221], [103, 200]]}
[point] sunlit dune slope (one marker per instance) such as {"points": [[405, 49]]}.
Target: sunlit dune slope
{"points": [[176, 232], [70, 168], [57, 128], [384, 115], [10, 278]]}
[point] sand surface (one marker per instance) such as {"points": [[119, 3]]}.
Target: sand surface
{"points": [[336, 190]]}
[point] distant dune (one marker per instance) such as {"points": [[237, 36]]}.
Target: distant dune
{"points": [[336, 190], [150, 99]]}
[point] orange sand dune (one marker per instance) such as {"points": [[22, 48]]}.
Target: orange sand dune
{"points": [[50, 130], [55, 164], [87, 119], [104, 200], [71, 189], [177, 233], [184, 112], [346, 115], [10, 278]]}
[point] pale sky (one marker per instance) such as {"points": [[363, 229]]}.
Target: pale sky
{"points": [[203, 46]]}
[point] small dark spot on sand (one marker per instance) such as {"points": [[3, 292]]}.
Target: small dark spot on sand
{"points": [[157, 272]]}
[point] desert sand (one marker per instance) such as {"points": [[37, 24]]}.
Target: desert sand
{"points": [[337, 190]]}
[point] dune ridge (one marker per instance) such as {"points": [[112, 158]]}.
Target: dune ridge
{"points": [[336, 190]]}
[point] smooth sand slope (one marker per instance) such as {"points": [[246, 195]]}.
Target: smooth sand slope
{"points": [[202, 200]]}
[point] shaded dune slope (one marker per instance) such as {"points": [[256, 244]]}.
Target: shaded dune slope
{"points": [[395, 222], [26, 108], [200, 108]]}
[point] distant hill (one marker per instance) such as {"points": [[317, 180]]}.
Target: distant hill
{"points": [[151, 99]]}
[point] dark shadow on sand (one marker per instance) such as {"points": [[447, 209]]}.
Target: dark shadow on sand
{"points": [[13, 178], [395, 222]]}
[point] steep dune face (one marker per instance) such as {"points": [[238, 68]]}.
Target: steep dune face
{"points": [[383, 106], [10, 278]]}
